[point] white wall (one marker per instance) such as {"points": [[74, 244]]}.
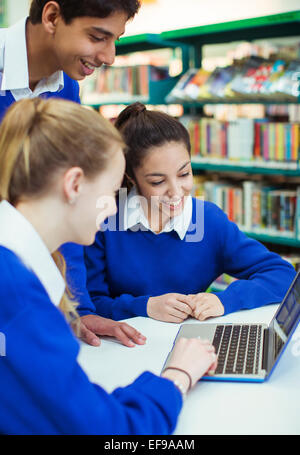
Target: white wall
{"points": [[16, 9], [165, 15]]}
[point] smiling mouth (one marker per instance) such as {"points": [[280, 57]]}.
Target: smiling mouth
{"points": [[173, 204], [88, 65]]}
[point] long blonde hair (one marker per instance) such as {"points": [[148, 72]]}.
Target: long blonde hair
{"points": [[39, 138]]}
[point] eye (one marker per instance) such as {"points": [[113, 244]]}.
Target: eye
{"points": [[156, 183], [185, 174], [96, 39]]}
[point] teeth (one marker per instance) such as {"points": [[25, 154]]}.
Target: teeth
{"points": [[89, 66], [174, 204]]}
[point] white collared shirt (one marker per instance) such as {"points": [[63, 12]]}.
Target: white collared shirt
{"points": [[14, 75], [134, 215], [19, 236]]}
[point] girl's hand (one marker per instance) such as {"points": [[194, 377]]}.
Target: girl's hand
{"points": [[170, 307], [195, 356], [206, 305]]}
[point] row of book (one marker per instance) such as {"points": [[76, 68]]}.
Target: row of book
{"points": [[252, 78], [276, 141], [273, 112], [244, 139], [256, 207], [112, 83]]}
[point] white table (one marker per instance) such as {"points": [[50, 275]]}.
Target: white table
{"points": [[211, 408]]}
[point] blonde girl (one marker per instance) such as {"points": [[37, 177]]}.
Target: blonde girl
{"points": [[57, 161]]}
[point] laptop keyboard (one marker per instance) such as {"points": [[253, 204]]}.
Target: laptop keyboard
{"points": [[238, 348]]}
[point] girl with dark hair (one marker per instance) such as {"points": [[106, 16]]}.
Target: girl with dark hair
{"points": [[163, 249]]}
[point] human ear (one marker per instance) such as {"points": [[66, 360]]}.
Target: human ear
{"points": [[50, 16], [72, 184]]}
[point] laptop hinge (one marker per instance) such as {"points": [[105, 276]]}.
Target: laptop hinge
{"points": [[265, 349]]}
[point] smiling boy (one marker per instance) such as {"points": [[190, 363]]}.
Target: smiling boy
{"points": [[60, 43], [76, 40]]}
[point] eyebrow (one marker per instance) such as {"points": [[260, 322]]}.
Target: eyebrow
{"points": [[157, 174], [105, 32]]}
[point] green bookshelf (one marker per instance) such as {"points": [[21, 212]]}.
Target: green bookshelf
{"points": [[3, 9], [248, 168], [276, 25], [275, 239], [145, 42], [157, 89], [272, 26], [155, 95], [191, 41]]}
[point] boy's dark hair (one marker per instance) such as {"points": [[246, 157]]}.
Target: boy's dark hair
{"points": [[142, 129], [70, 9]]}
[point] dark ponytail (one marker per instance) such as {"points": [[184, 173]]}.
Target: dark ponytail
{"points": [[143, 129]]}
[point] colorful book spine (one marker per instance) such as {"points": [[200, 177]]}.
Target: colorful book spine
{"points": [[246, 140], [258, 208], [288, 142], [271, 141], [281, 142]]}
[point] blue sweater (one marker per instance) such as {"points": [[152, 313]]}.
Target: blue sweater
{"points": [[125, 268], [76, 273], [43, 388], [69, 92]]}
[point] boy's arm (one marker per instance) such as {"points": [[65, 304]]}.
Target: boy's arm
{"points": [[92, 324]]}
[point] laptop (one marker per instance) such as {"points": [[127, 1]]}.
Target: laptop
{"points": [[249, 352]]}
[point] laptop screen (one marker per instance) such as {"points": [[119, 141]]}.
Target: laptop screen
{"points": [[287, 316]]}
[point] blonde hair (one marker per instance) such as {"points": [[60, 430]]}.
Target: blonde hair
{"points": [[39, 138]]}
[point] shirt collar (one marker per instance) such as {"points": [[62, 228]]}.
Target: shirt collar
{"points": [[19, 236], [15, 72], [134, 215]]}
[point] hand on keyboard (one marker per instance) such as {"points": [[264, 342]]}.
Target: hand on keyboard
{"points": [[192, 355]]}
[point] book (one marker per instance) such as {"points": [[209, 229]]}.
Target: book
{"points": [[245, 140], [249, 78], [256, 207]]}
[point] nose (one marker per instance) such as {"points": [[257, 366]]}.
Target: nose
{"points": [[107, 55], [174, 190]]}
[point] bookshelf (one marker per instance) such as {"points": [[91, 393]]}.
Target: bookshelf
{"points": [[276, 25], [191, 42], [129, 84], [248, 167], [155, 88], [3, 13], [225, 167]]}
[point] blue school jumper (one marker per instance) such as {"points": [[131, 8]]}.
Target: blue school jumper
{"points": [[73, 253], [43, 388], [125, 268], [70, 92]]}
